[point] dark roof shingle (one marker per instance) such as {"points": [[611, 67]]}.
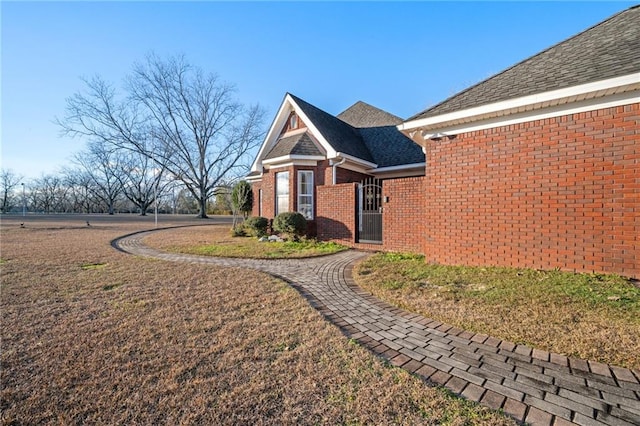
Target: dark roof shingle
{"points": [[298, 144], [342, 137], [361, 114], [389, 147], [369, 134], [607, 50]]}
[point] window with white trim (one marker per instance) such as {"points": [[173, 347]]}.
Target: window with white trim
{"points": [[259, 202], [305, 193], [282, 192]]}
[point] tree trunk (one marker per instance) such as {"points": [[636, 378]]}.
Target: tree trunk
{"points": [[202, 214]]}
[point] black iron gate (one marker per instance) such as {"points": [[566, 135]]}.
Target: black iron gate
{"points": [[370, 211]]}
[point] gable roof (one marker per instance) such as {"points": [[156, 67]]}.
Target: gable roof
{"points": [[369, 137], [361, 114], [607, 50], [298, 144], [340, 135]]}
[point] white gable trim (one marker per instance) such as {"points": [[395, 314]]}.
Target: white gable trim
{"points": [[560, 97], [274, 131], [288, 105], [314, 130]]}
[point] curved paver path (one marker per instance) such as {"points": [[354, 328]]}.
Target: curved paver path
{"points": [[531, 385]]}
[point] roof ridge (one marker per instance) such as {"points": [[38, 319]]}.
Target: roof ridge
{"points": [[362, 114], [521, 62]]}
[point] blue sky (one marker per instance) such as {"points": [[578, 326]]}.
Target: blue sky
{"points": [[401, 57]]}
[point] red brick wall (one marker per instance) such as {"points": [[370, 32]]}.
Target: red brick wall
{"points": [[321, 174], [561, 192], [255, 188], [403, 218], [346, 176], [335, 212], [403, 224]]}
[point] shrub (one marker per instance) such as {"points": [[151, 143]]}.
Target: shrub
{"points": [[257, 225], [238, 231], [290, 223]]}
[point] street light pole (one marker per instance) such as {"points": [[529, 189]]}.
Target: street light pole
{"points": [[156, 203]]}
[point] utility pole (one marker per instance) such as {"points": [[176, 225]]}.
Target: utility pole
{"points": [[24, 202]]}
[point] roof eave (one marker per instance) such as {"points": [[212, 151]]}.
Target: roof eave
{"points": [[254, 178], [526, 103], [293, 157], [398, 168], [356, 160]]}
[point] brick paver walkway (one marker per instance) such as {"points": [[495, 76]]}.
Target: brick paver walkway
{"points": [[531, 385]]}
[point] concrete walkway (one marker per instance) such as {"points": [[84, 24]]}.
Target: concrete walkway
{"points": [[531, 385]]}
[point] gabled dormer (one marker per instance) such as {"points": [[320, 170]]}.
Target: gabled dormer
{"points": [[303, 135]]}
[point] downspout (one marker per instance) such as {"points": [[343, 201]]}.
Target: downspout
{"points": [[335, 164]]}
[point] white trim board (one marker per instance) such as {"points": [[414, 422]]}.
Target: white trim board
{"points": [[398, 168], [603, 88], [620, 99]]}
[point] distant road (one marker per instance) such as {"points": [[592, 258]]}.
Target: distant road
{"points": [[186, 219]]}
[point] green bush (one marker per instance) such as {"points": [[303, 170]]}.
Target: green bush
{"points": [[238, 231], [290, 223], [257, 225]]}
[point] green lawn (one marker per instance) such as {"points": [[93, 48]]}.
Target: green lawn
{"points": [[250, 247], [592, 316]]}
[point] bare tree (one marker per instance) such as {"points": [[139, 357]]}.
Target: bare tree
{"points": [[48, 194], [142, 180], [185, 202], [103, 165], [8, 183], [241, 201], [176, 115], [80, 190]]}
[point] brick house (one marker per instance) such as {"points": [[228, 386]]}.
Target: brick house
{"points": [[324, 166], [539, 165]]}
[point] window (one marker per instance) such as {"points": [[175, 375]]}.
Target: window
{"points": [[305, 193], [293, 122], [282, 192], [259, 202]]}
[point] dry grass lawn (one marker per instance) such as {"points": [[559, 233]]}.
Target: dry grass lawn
{"points": [[590, 316], [92, 335]]}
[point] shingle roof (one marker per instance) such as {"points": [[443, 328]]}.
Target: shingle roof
{"points": [[389, 147], [298, 144], [362, 114], [342, 137], [376, 138], [606, 50]]}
